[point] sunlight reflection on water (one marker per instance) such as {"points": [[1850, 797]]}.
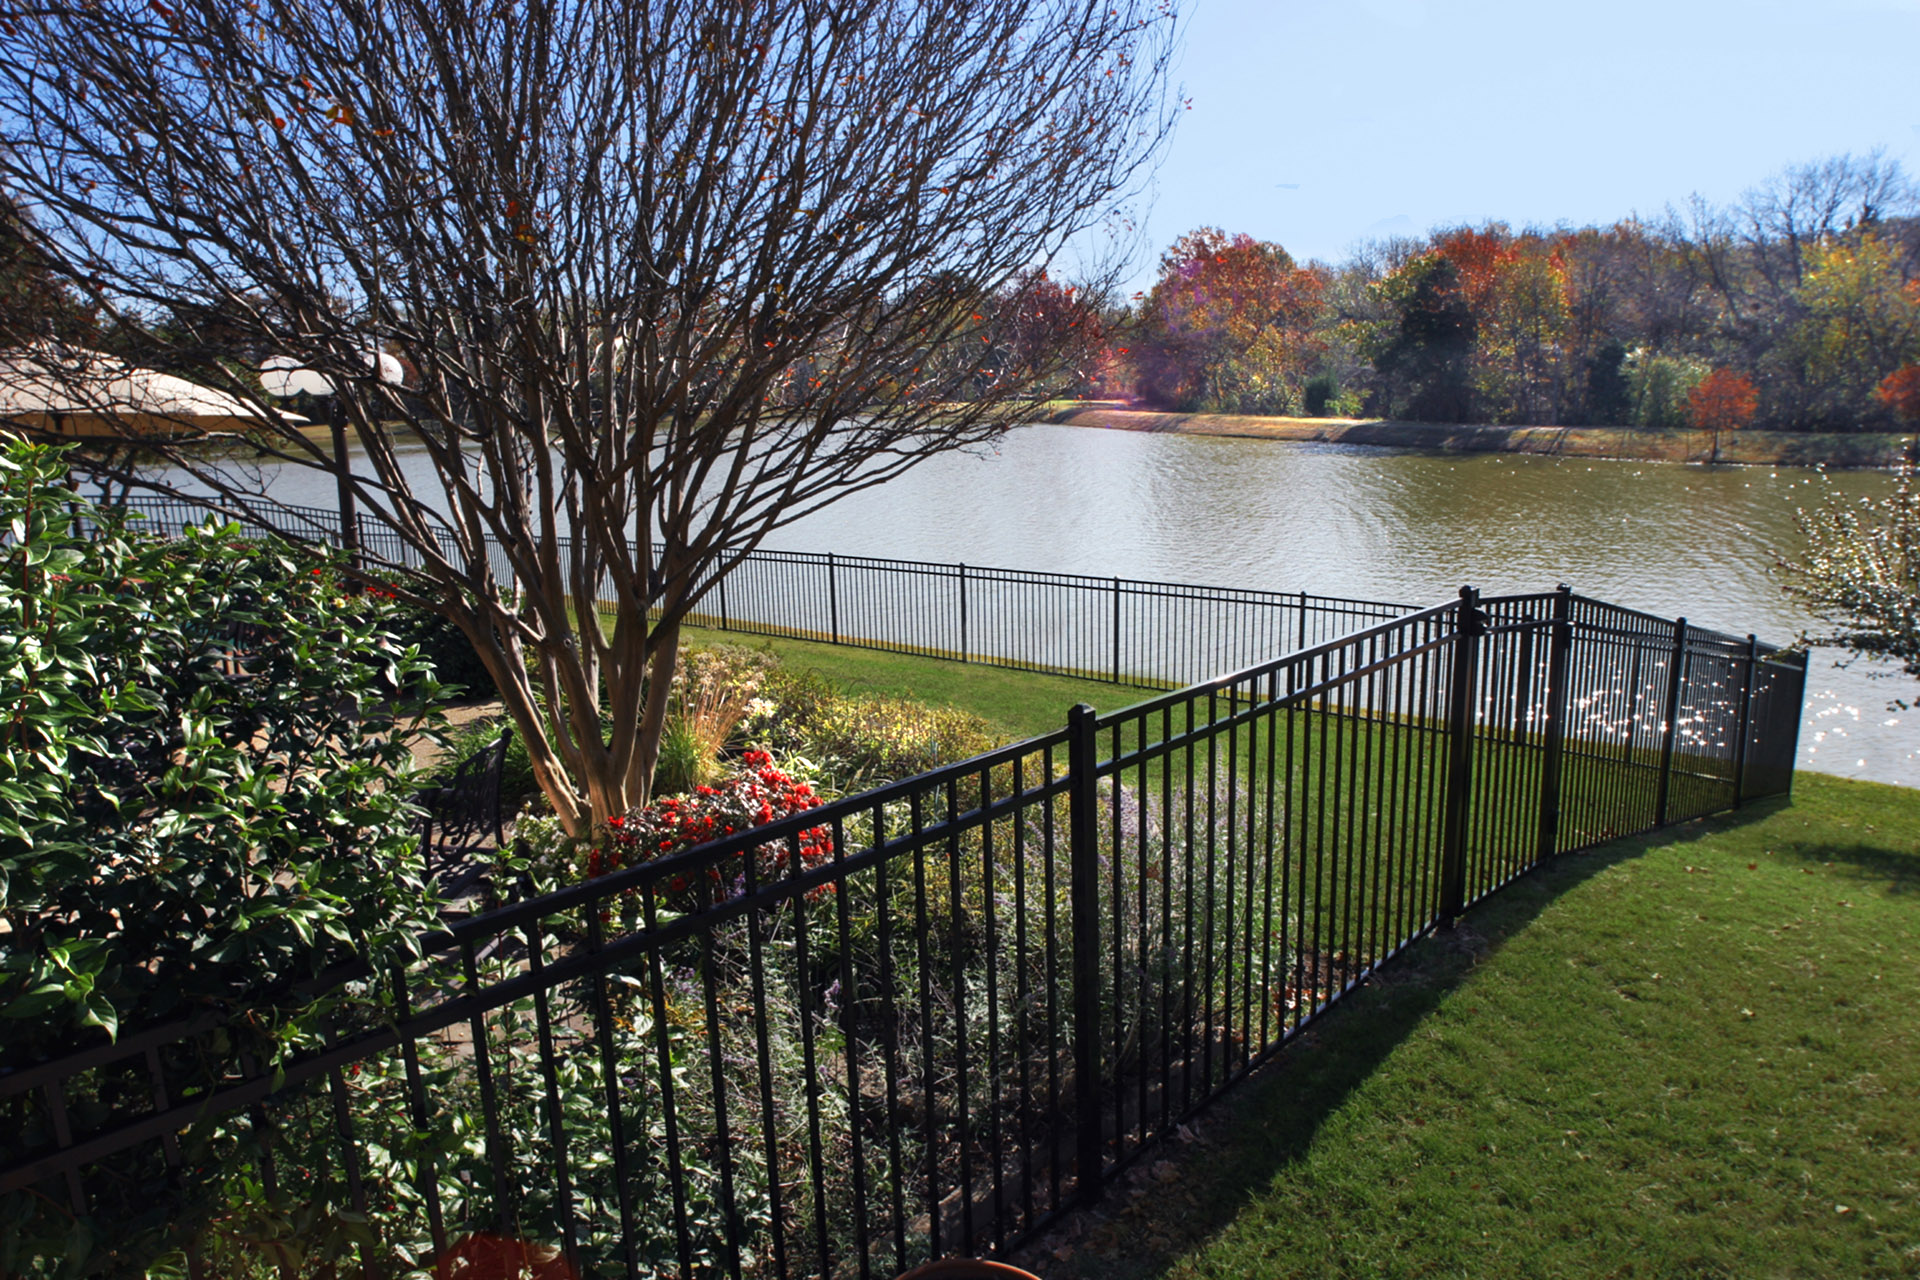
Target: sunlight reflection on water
{"points": [[1392, 525]]}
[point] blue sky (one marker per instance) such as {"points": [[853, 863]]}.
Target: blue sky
{"points": [[1317, 123]]}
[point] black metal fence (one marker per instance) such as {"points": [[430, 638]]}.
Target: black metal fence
{"points": [[932, 1017], [1122, 630]]}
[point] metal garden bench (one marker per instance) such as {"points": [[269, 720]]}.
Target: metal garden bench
{"points": [[465, 811]]}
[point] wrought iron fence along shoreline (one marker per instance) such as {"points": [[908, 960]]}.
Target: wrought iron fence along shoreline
{"points": [[999, 985], [1120, 630]]}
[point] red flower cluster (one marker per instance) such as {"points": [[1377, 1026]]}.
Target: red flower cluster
{"points": [[752, 795]]}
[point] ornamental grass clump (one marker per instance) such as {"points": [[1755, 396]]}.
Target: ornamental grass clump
{"points": [[713, 689], [863, 742]]}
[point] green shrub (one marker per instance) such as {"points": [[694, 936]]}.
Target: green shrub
{"points": [[1319, 392], [799, 697], [855, 742], [205, 801], [204, 794], [1323, 398], [861, 742], [1660, 385]]}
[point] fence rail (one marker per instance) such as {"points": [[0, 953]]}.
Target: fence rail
{"points": [[933, 1017], [1121, 630]]}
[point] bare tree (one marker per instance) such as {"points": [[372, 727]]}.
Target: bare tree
{"points": [[1810, 204], [671, 272], [1860, 574]]}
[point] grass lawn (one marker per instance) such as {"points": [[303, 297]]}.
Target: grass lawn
{"points": [[1023, 704], [1687, 1054]]}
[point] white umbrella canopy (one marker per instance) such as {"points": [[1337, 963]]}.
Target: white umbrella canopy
{"points": [[77, 393], [286, 376]]}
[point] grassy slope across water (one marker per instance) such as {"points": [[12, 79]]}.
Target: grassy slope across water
{"points": [[1684, 1054], [1762, 448]]}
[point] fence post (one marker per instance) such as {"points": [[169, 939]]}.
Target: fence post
{"points": [[1560, 644], [721, 587], [1116, 631], [963, 612], [1672, 712], [1303, 622], [343, 478], [1797, 699], [1470, 624], [833, 600], [1746, 720], [1084, 889]]}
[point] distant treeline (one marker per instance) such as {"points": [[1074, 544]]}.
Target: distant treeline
{"points": [[1798, 308]]}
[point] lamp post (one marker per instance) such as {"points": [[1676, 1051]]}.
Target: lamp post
{"points": [[285, 376]]}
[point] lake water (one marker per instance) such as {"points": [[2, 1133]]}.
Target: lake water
{"points": [[1382, 525]]}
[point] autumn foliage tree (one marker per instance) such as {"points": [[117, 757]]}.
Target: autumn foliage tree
{"points": [[1227, 326], [1859, 320], [1424, 354], [1900, 392], [1809, 286], [1722, 401], [1043, 322]]}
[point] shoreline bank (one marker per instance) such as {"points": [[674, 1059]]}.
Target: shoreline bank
{"points": [[1850, 451]]}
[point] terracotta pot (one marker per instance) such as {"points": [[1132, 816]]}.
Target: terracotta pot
{"points": [[967, 1269]]}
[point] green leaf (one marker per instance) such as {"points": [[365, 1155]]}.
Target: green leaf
{"points": [[36, 1003], [101, 1013], [168, 1266]]}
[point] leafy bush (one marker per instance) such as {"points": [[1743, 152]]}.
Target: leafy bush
{"points": [[862, 742], [1661, 386], [1323, 398], [204, 795], [854, 741], [1319, 393], [796, 699]]}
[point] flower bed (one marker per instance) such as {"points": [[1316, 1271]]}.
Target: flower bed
{"points": [[752, 794]]}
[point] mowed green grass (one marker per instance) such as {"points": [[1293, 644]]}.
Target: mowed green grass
{"points": [[1684, 1055], [1021, 704]]}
